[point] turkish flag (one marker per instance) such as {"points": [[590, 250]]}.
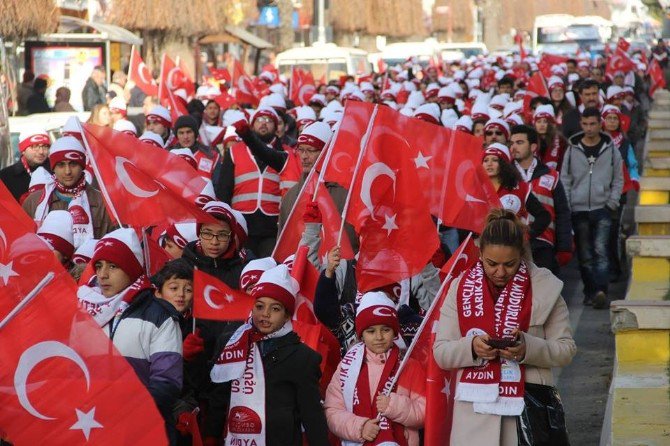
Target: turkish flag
{"points": [[549, 60], [302, 86], [187, 82], [220, 74], [518, 39], [245, 91], [331, 221], [214, 300], [225, 100], [140, 74], [172, 79], [537, 86], [9, 204], [307, 276], [619, 60], [440, 384], [657, 77], [388, 211], [157, 257], [143, 185], [61, 379]]}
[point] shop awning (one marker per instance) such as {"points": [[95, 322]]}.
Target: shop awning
{"points": [[234, 34], [70, 28]]}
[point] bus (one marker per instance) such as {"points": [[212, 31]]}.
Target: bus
{"points": [[565, 34]]}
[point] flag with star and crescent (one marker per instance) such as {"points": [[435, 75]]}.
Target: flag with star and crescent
{"points": [[61, 379]]}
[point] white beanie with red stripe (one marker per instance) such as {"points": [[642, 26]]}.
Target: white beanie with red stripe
{"points": [[253, 270], [34, 136], [57, 232], [277, 284], [67, 148], [316, 134]]}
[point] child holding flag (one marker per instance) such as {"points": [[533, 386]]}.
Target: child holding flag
{"points": [[361, 406]]}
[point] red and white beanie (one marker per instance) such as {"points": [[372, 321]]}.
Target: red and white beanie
{"points": [[152, 138], [318, 99], [274, 100], [118, 105], [610, 109], [432, 90], [480, 111], [265, 111], [67, 148], [316, 134], [545, 111], [84, 253], [39, 179], [181, 234], [267, 76], [230, 135], [499, 150], [122, 248], [57, 232], [449, 118], [253, 270], [72, 127], [222, 211], [186, 155], [33, 136], [464, 124], [555, 82], [277, 284], [447, 95], [497, 123], [514, 119], [159, 114], [376, 309], [332, 89], [304, 115], [615, 92], [429, 112], [125, 126]]}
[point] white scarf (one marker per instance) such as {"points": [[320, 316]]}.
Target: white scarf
{"points": [[79, 208], [246, 413], [103, 309], [526, 175]]}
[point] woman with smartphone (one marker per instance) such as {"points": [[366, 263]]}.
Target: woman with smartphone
{"points": [[503, 325]]}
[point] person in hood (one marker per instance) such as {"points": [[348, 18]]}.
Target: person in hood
{"points": [[207, 158]]}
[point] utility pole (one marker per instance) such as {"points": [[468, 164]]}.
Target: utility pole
{"points": [[286, 32], [321, 21]]}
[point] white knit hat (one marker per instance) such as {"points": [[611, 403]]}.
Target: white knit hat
{"points": [[273, 100], [125, 126], [118, 105], [555, 82], [121, 247], [613, 91], [304, 114], [181, 233], [84, 253], [253, 270], [376, 308], [318, 99], [277, 284], [32, 136], [464, 124], [187, 155], [57, 232], [72, 127], [67, 148], [498, 123], [152, 138], [316, 134], [160, 114], [544, 111], [499, 150], [265, 110], [429, 112], [449, 118]]}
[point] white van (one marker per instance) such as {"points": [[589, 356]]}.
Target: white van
{"points": [[325, 59], [469, 49], [400, 52]]}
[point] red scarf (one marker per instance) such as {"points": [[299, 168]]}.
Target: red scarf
{"points": [[617, 138], [74, 190], [359, 401], [496, 386], [104, 309]]}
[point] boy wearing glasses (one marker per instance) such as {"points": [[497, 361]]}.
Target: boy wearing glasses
{"points": [[34, 146]]}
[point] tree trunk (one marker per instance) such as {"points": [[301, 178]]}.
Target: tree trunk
{"points": [[286, 33]]}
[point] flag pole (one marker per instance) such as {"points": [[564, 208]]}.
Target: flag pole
{"points": [[130, 62], [433, 306], [364, 145], [96, 171], [193, 303], [26, 300], [328, 154]]}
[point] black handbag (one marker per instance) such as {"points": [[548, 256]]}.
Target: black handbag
{"points": [[542, 422]]}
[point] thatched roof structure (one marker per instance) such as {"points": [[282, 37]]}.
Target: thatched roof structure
{"points": [[23, 18], [459, 16], [388, 17], [188, 18]]}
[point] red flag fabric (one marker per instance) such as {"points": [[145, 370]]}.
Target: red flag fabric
{"points": [[307, 276], [549, 60], [61, 379], [10, 205], [518, 39], [187, 80], [144, 185], [214, 300], [537, 86], [245, 92], [291, 233], [172, 79], [619, 60], [220, 74], [157, 257], [225, 100], [440, 385], [387, 211], [139, 73], [657, 77], [302, 86]]}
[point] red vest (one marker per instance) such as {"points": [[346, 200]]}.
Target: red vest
{"points": [[254, 190], [515, 200], [543, 188], [206, 164], [553, 156], [292, 171]]}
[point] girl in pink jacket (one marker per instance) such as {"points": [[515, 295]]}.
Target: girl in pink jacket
{"points": [[355, 395]]}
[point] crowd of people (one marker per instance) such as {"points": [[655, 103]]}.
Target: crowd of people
{"points": [[561, 164]]}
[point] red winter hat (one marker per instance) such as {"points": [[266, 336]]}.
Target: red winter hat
{"points": [[67, 148], [277, 284], [376, 309], [33, 137], [56, 230], [254, 270], [122, 248]]}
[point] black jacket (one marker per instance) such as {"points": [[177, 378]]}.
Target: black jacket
{"points": [[291, 393], [17, 179], [93, 94], [571, 124]]}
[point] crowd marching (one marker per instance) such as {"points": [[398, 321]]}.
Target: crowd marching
{"points": [[333, 272]]}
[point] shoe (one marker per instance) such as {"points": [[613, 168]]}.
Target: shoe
{"points": [[588, 300], [600, 300]]}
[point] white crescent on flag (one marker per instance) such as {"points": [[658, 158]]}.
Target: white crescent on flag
{"points": [[127, 183], [371, 173], [206, 294]]}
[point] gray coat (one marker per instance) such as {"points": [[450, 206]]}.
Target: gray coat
{"points": [[592, 187]]}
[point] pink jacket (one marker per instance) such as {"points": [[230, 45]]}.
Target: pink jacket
{"points": [[407, 405]]}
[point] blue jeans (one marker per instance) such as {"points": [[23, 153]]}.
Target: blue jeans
{"points": [[592, 237]]}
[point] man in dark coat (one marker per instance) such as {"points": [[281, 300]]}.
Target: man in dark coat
{"points": [[34, 147], [37, 102], [94, 91]]}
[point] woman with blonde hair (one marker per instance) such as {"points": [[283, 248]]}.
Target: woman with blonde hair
{"points": [[100, 115], [503, 326]]}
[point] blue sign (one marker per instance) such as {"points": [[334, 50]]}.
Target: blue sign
{"points": [[269, 16]]}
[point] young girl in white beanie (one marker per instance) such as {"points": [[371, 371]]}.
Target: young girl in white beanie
{"points": [[355, 395]]}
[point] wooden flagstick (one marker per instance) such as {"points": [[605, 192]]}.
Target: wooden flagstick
{"points": [[26, 300]]}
